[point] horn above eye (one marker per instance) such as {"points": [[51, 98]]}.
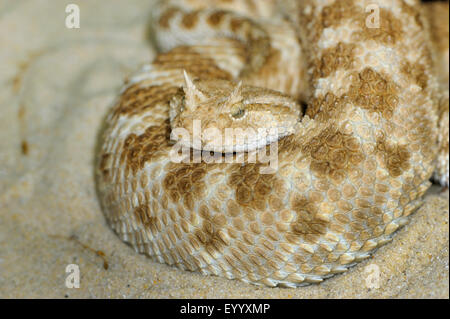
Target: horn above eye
{"points": [[193, 96], [236, 95]]}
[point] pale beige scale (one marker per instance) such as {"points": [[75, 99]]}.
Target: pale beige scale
{"points": [[351, 168]]}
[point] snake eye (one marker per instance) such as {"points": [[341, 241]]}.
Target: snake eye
{"points": [[237, 111]]}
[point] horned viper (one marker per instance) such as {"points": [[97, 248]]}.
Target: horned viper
{"points": [[349, 171]]}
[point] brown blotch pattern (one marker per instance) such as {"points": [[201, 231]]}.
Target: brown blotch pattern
{"points": [[289, 145], [369, 90], [339, 57], [335, 13], [416, 71], [389, 32], [333, 153], [324, 108], [197, 65], [375, 92], [396, 157], [216, 18], [252, 189], [190, 19], [186, 181], [137, 98], [139, 149], [307, 224], [164, 20], [236, 24], [263, 75]]}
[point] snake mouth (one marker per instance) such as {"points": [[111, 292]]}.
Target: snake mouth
{"points": [[229, 140]]}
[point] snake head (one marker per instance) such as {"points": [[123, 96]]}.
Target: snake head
{"points": [[222, 116]]}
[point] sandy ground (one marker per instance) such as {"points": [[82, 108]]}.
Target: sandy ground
{"points": [[56, 86]]}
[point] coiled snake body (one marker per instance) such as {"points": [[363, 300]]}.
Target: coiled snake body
{"points": [[349, 171]]}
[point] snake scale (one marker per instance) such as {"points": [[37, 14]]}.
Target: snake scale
{"points": [[351, 166]]}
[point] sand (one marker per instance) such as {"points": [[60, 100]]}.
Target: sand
{"points": [[56, 87]]}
